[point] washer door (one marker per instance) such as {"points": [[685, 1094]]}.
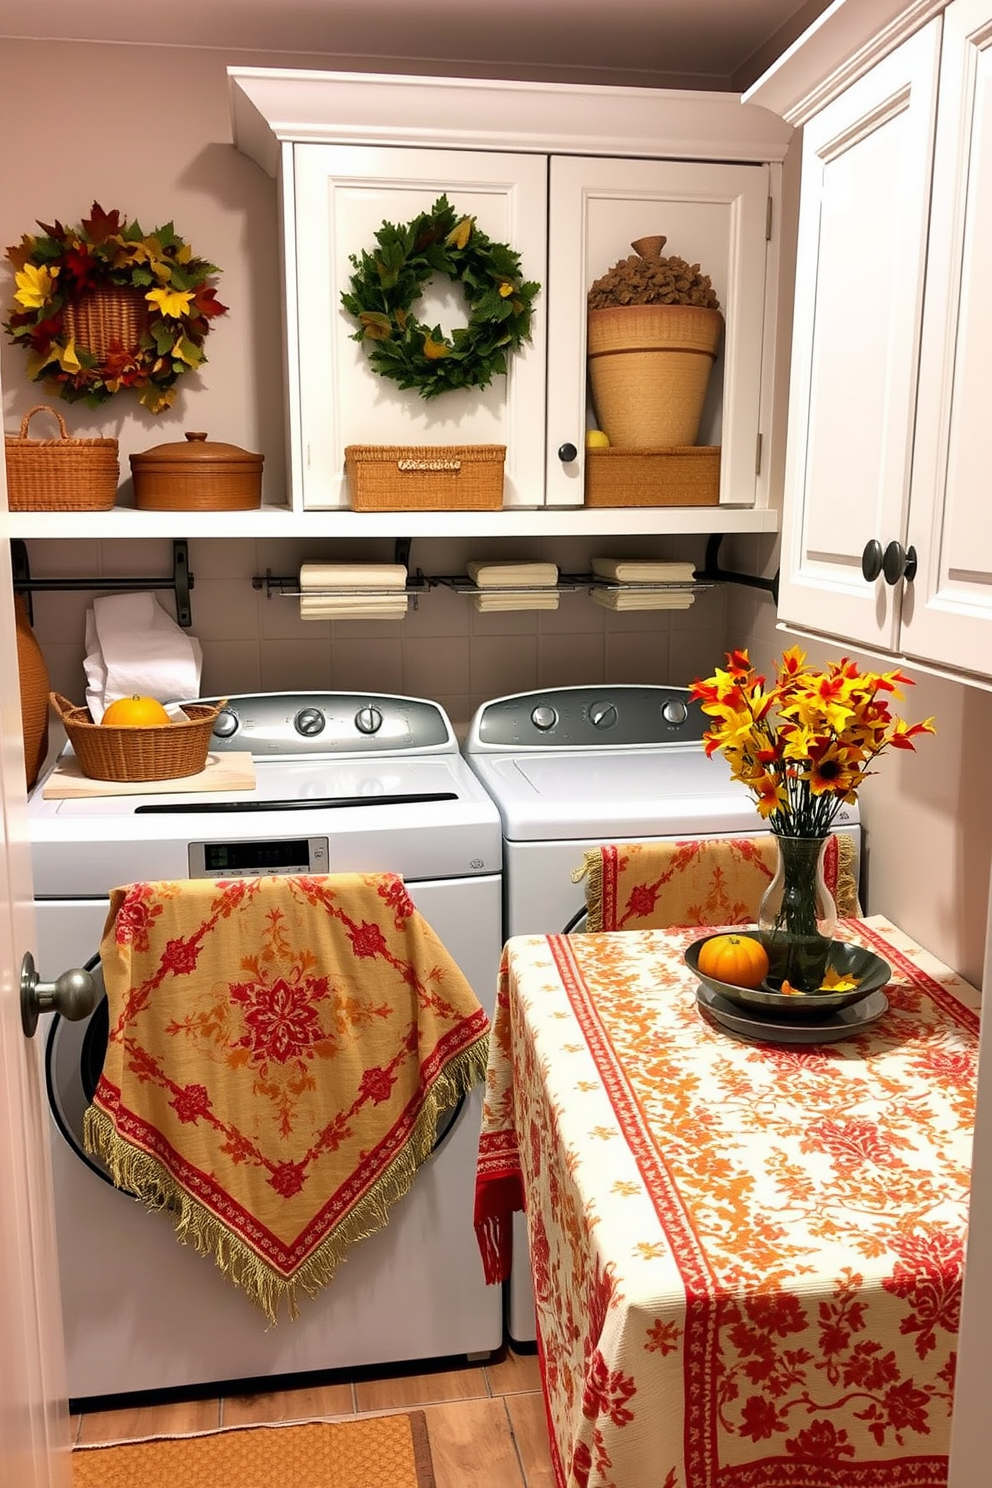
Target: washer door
{"points": [[74, 1056]]}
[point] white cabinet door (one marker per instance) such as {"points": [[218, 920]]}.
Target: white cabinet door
{"points": [[947, 610], [343, 193], [713, 215], [864, 204]]}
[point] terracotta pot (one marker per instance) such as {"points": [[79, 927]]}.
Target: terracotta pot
{"points": [[33, 677], [198, 475]]}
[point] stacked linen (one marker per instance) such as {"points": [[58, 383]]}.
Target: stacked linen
{"points": [[640, 581], [515, 586], [353, 591]]}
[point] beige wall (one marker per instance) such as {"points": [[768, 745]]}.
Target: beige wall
{"points": [[147, 131]]}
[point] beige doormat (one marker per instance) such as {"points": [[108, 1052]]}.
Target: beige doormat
{"points": [[367, 1452]]}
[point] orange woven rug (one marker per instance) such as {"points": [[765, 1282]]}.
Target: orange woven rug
{"points": [[368, 1452]]}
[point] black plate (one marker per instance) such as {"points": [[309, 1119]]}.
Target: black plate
{"points": [[847, 960], [825, 1028]]}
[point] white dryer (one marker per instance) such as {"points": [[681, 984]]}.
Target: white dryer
{"points": [[572, 768], [345, 782]]}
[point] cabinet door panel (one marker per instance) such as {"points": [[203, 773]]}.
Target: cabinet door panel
{"points": [[859, 294], [713, 215], [948, 610], [343, 194]]}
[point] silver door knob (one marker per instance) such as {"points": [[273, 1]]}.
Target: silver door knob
{"points": [[74, 994]]}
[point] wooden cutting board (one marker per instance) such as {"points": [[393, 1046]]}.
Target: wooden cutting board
{"points": [[224, 772]]}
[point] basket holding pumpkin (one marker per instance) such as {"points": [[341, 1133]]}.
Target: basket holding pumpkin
{"points": [[137, 740]]}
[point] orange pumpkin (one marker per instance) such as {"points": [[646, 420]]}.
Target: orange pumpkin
{"points": [[136, 712], [738, 960]]}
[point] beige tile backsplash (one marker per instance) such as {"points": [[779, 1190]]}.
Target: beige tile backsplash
{"points": [[444, 649]]}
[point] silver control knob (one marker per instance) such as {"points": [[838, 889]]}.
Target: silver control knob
{"points": [[309, 722], [368, 720], [225, 724], [544, 717], [675, 711], [603, 715]]}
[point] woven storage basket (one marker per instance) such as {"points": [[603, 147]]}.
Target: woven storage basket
{"points": [[106, 318], [440, 477], [155, 753], [650, 367], [686, 475], [59, 474]]}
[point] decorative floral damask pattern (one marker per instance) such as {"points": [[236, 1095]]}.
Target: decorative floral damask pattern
{"points": [[750, 1254], [703, 881], [280, 1052]]}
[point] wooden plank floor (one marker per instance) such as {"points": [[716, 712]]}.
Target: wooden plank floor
{"points": [[486, 1421]]}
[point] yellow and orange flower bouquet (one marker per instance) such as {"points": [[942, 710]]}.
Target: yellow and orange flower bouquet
{"points": [[802, 746]]}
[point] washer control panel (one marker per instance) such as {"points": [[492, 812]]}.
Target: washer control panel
{"points": [[303, 723], [587, 718]]}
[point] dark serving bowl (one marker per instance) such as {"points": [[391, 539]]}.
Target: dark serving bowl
{"points": [[870, 970]]}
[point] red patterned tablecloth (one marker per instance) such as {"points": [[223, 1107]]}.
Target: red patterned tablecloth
{"points": [[746, 1257]]}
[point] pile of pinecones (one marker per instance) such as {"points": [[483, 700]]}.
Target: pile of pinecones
{"points": [[646, 278]]}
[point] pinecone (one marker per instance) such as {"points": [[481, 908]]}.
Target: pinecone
{"points": [[648, 279]]}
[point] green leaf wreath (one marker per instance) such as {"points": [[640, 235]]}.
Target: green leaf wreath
{"points": [[388, 282], [57, 272]]}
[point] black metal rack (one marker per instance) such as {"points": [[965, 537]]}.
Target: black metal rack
{"points": [[180, 582]]}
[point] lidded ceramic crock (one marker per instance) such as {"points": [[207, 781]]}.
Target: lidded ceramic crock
{"points": [[200, 474]]}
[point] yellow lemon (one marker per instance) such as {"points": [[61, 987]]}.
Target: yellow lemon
{"points": [[136, 712], [596, 439]]}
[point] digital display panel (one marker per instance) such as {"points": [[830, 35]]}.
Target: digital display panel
{"points": [[220, 858]]}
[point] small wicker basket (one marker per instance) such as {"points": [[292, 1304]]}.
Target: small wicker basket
{"points": [[426, 477], [165, 752], [59, 474], [687, 475]]}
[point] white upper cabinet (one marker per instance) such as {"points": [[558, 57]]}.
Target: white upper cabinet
{"points": [[887, 528], [713, 215], [947, 611], [566, 177], [864, 207], [342, 195]]}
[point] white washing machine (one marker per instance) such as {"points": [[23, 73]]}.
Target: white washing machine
{"points": [[572, 768], [345, 782]]}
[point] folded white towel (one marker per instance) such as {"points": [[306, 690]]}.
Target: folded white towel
{"points": [[642, 571], [134, 647], [508, 599], [353, 606], [496, 575], [352, 576], [634, 599]]}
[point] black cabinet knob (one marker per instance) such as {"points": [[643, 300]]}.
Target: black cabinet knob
{"points": [[899, 563], [567, 453], [871, 560]]}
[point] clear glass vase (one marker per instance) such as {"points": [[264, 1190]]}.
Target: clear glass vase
{"points": [[797, 916]]}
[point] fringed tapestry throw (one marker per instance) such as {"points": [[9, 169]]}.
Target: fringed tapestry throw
{"points": [[280, 1052], [703, 881]]}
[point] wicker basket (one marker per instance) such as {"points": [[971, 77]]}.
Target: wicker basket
{"points": [[440, 477], [687, 475], [164, 752], [59, 474], [107, 318]]}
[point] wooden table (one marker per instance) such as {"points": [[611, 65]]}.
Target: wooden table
{"points": [[746, 1256]]}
